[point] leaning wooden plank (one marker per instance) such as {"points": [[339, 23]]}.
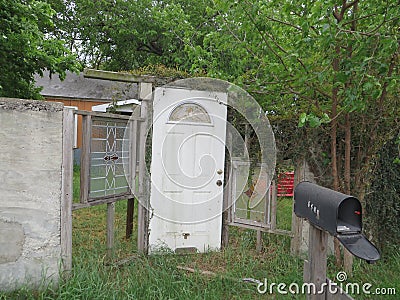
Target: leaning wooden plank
{"points": [[124, 261], [107, 115], [212, 274], [118, 76], [238, 223], [102, 200], [191, 270]]}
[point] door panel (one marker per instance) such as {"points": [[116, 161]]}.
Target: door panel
{"points": [[188, 148]]}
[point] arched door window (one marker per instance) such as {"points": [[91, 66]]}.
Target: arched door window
{"points": [[189, 113]]}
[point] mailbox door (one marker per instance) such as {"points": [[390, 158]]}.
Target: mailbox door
{"points": [[359, 246]]}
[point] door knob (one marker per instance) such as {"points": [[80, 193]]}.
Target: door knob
{"points": [[219, 171], [219, 182]]}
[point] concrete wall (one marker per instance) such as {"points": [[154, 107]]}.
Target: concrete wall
{"points": [[30, 192]]}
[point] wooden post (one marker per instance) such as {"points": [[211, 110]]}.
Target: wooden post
{"points": [[297, 223], [273, 204], [301, 174], [130, 212], [259, 241], [85, 157], [347, 262], [227, 200], [308, 271], [316, 271], [145, 95], [110, 229], [132, 178], [66, 190]]}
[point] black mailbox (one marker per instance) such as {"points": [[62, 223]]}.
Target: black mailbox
{"points": [[336, 213]]}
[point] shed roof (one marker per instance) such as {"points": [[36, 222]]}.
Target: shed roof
{"points": [[78, 87], [121, 106]]}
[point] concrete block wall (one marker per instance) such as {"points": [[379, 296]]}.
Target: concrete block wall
{"points": [[30, 192]]}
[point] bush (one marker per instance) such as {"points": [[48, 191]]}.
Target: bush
{"points": [[383, 201]]}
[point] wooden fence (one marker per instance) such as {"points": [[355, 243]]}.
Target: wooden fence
{"points": [[112, 168]]}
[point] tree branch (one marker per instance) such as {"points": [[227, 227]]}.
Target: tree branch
{"points": [[348, 5], [319, 91], [360, 18], [336, 14], [264, 39], [284, 23]]}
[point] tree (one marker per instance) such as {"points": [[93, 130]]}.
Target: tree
{"points": [[26, 49], [125, 35], [322, 61]]}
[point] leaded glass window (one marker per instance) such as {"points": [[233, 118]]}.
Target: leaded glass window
{"points": [[107, 158]]}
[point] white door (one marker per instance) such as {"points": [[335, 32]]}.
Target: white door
{"points": [[188, 153]]}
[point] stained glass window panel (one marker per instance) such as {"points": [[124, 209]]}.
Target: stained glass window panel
{"points": [[107, 158]]}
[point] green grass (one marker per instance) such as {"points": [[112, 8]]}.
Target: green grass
{"points": [[76, 184], [158, 276], [284, 209]]}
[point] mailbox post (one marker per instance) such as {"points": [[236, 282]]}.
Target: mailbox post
{"points": [[335, 213]]}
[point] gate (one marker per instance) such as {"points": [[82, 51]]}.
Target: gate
{"points": [[111, 170], [255, 205]]}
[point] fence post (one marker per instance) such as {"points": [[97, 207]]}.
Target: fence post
{"points": [[274, 198], [66, 193], [228, 193], [145, 95], [85, 157], [133, 138], [315, 269], [301, 173], [130, 211], [110, 229]]}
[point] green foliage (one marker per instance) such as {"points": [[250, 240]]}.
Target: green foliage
{"points": [[126, 35], [161, 71], [313, 120], [26, 49], [283, 51], [383, 201]]}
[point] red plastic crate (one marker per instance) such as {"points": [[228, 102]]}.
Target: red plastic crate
{"points": [[285, 184]]}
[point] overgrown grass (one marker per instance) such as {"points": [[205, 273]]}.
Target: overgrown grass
{"points": [[284, 209], [129, 275]]}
